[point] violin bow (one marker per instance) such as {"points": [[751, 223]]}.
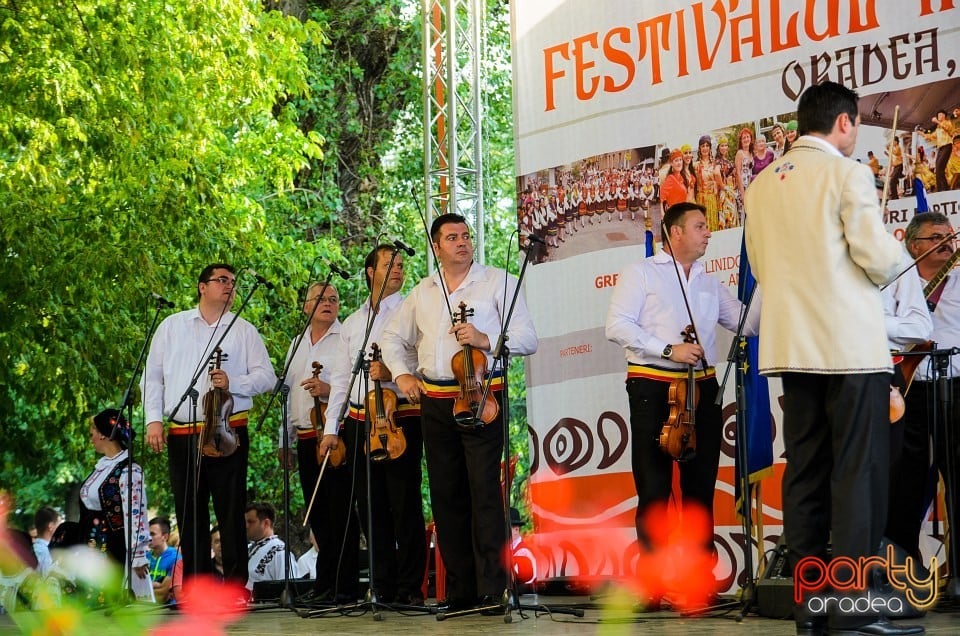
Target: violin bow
{"points": [[426, 231], [683, 292]]}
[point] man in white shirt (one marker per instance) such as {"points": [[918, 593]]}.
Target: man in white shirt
{"points": [[267, 554], [183, 344], [333, 520], [396, 502], [647, 316], [908, 489], [463, 457]]}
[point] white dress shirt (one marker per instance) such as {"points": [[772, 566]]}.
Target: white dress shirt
{"points": [[424, 321], [905, 312], [183, 345], [300, 401], [265, 561], [351, 338], [946, 327], [647, 307]]}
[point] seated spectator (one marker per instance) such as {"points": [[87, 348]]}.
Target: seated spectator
{"points": [[162, 561], [307, 563], [216, 555], [45, 521], [266, 552]]}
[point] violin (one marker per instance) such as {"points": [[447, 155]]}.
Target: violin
{"points": [[338, 456], [387, 440], [678, 437], [470, 367], [217, 438]]}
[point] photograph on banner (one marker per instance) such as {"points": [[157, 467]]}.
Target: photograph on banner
{"points": [[623, 108]]}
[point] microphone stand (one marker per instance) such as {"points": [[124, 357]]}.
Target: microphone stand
{"points": [[501, 357], [282, 389], [737, 358], [126, 402], [193, 461]]}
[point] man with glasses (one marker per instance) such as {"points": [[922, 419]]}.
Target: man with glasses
{"points": [[396, 503], [463, 458], [332, 517], [908, 489], [183, 345]]}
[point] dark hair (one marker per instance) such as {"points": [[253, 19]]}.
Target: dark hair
{"points": [[208, 270], [44, 517], [821, 104], [263, 509], [214, 530], [113, 425], [442, 220], [674, 216], [372, 259], [163, 522], [919, 220]]}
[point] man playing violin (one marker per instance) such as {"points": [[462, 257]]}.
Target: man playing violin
{"points": [[332, 517], [182, 344], [647, 317], [815, 237], [910, 485], [463, 463], [397, 536]]}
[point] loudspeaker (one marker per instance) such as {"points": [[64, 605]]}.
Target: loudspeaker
{"points": [[775, 587]]}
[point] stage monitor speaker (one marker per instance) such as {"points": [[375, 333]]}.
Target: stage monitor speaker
{"points": [[775, 587]]}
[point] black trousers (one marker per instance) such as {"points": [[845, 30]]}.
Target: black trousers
{"points": [[940, 169], [222, 479], [913, 483], [464, 471], [397, 538], [653, 468], [333, 520], [836, 431]]}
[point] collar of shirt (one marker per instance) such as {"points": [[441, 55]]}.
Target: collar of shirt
{"points": [[823, 143], [664, 257]]}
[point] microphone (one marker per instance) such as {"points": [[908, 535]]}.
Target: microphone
{"points": [[163, 302], [340, 272], [400, 245], [533, 238], [260, 279]]}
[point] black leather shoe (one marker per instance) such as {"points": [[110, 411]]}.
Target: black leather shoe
{"points": [[646, 605], [492, 605], [409, 599], [811, 627], [882, 627], [453, 605]]}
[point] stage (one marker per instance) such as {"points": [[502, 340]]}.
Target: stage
{"points": [[597, 619]]}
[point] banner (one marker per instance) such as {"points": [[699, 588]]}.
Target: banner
{"points": [[616, 104]]}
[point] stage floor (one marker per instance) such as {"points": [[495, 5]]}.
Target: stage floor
{"points": [[597, 619]]}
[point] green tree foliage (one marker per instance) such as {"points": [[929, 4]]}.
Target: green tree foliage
{"points": [[138, 142], [141, 141]]}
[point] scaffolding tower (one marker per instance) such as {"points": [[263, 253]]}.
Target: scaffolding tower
{"points": [[453, 112]]}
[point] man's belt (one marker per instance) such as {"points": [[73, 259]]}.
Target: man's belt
{"points": [[237, 420], [450, 389], [649, 372]]}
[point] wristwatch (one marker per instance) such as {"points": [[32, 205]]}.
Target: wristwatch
{"points": [[667, 352]]}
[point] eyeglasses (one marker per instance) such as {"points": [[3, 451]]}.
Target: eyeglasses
{"points": [[936, 238], [223, 280], [333, 300]]}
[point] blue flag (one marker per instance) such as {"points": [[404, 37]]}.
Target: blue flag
{"points": [[758, 426]]}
